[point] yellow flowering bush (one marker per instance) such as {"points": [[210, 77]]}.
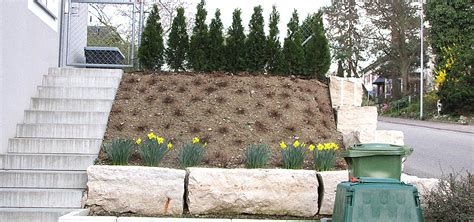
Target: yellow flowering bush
{"points": [[191, 154], [153, 148], [443, 69], [293, 154], [324, 156]]}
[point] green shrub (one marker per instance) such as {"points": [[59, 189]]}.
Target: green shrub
{"points": [[153, 149], [430, 103], [324, 156], [118, 151], [293, 155], [191, 154], [451, 199], [257, 155]]}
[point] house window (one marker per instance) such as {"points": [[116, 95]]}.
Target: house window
{"points": [[48, 6]]}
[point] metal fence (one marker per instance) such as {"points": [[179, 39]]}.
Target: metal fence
{"points": [[102, 33]]}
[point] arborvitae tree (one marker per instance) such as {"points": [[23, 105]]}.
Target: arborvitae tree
{"points": [[340, 69], [273, 42], [216, 43], [150, 53], [235, 44], [199, 43], [177, 43], [316, 49], [293, 54], [255, 46]]}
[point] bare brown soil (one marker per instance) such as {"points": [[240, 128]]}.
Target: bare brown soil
{"points": [[229, 112]]}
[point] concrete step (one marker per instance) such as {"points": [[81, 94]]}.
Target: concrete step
{"points": [[77, 92], [44, 198], [70, 117], [52, 130], [43, 179], [85, 72], [46, 145], [60, 162], [81, 81], [33, 214], [98, 105]]}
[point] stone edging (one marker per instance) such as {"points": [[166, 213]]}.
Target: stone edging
{"points": [[213, 191], [81, 216]]}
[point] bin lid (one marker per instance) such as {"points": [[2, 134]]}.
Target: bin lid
{"points": [[376, 149]]}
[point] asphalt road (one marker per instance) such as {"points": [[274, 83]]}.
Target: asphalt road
{"points": [[438, 147]]}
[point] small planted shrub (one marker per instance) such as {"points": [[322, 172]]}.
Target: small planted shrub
{"points": [[451, 199], [324, 156], [191, 154], [153, 149], [256, 156], [293, 155], [119, 150]]}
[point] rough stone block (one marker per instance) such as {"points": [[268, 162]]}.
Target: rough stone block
{"points": [[424, 185], [345, 91], [257, 191], [389, 136], [330, 181], [360, 119], [142, 190]]}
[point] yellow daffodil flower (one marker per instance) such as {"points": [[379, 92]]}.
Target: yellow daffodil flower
{"points": [[170, 146], [320, 146], [139, 141], [311, 147], [296, 143], [282, 145], [195, 140], [327, 146], [151, 136], [160, 140]]}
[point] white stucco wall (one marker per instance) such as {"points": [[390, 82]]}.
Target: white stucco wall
{"points": [[29, 44]]}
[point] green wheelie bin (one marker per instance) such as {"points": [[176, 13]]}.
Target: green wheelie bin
{"points": [[377, 160], [376, 200]]}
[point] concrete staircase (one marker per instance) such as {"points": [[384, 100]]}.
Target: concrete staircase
{"points": [[43, 174]]}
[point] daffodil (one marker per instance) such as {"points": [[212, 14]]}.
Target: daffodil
{"points": [[336, 147], [160, 140], [327, 146], [195, 140], [282, 145], [296, 143], [170, 146], [320, 146], [139, 141], [311, 147], [151, 136]]}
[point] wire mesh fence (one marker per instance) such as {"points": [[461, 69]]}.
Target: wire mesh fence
{"points": [[102, 33]]}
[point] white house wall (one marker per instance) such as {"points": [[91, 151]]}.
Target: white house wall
{"points": [[28, 46]]}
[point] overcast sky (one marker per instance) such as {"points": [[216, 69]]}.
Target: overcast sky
{"points": [[284, 7]]}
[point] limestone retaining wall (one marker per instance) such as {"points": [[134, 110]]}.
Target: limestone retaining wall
{"points": [[153, 191]]}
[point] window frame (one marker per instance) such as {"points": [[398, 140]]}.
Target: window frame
{"points": [[45, 9]]}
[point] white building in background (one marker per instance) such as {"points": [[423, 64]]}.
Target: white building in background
{"points": [[30, 34]]}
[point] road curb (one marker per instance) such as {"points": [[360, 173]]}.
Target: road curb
{"points": [[425, 126]]}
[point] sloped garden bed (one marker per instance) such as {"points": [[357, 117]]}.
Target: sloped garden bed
{"points": [[228, 112]]}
